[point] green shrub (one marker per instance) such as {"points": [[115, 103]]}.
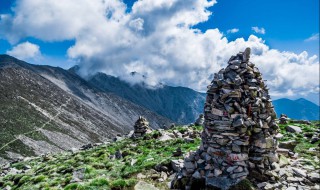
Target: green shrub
{"points": [[39, 179], [99, 182]]}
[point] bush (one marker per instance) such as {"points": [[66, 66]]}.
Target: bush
{"points": [[99, 182]]}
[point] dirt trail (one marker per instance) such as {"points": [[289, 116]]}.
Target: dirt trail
{"points": [[43, 126]]}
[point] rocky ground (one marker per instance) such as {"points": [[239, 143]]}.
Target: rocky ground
{"points": [[152, 161]]}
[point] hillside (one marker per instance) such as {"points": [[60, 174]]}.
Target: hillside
{"points": [[180, 104], [152, 162], [48, 109]]}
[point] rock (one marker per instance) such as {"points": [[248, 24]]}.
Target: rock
{"points": [[299, 172], [141, 176], [118, 154], [178, 152], [7, 188], [141, 185], [291, 188], [288, 144], [293, 129], [219, 182], [283, 151], [200, 120], [217, 172], [314, 177], [177, 165], [269, 186], [283, 161], [78, 175], [165, 137], [260, 185], [188, 140], [196, 175]]}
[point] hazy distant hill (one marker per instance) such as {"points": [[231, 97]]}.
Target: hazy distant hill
{"points": [[297, 109]]}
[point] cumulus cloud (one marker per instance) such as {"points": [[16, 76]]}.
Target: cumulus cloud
{"points": [[258, 30], [25, 51], [313, 37], [156, 39], [234, 30]]}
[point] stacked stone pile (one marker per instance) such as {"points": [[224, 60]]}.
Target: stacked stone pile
{"points": [[283, 119], [200, 120], [239, 128], [141, 127]]}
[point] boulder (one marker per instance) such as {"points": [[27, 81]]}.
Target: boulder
{"points": [[141, 185], [293, 129]]}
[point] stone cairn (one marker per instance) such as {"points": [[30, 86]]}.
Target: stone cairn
{"points": [[141, 127], [239, 129], [200, 120], [283, 119]]}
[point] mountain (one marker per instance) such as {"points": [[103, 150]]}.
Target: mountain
{"points": [[183, 105], [297, 109], [180, 104], [44, 108]]}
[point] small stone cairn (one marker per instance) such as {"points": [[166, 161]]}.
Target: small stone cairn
{"points": [[200, 120], [283, 119], [239, 129], [141, 127]]}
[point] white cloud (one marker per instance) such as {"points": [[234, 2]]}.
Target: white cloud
{"points": [[25, 51], [258, 30], [313, 37], [157, 39], [234, 30]]}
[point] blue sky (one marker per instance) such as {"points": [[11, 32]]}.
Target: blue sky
{"points": [[161, 36]]}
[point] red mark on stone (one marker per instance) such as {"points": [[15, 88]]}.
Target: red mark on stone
{"points": [[233, 158]]}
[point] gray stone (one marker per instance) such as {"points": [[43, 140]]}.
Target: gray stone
{"points": [[196, 175], [288, 144], [223, 183], [293, 129], [299, 172], [314, 177], [141, 185], [260, 185]]}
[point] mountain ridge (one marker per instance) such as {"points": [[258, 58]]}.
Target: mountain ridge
{"points": [[71, 111]]}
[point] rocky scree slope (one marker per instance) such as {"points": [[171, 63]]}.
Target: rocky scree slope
{"points": [[151, 162], [181, 105], [45, 108]]}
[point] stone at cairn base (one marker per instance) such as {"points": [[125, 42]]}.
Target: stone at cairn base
{"points": [[239, 129]]}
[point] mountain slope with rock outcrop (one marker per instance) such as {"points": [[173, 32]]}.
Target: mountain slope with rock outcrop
{"points": [[48, 109], [180, 104]]}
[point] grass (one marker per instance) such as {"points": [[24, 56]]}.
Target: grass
{"points": [[101, 171], [304, 143], [139, 156]]}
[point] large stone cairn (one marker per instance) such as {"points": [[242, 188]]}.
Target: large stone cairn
{"points": [[239, 128], [141, 127]]}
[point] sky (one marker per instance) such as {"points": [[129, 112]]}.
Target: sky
{"points": [[175, 42]]}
